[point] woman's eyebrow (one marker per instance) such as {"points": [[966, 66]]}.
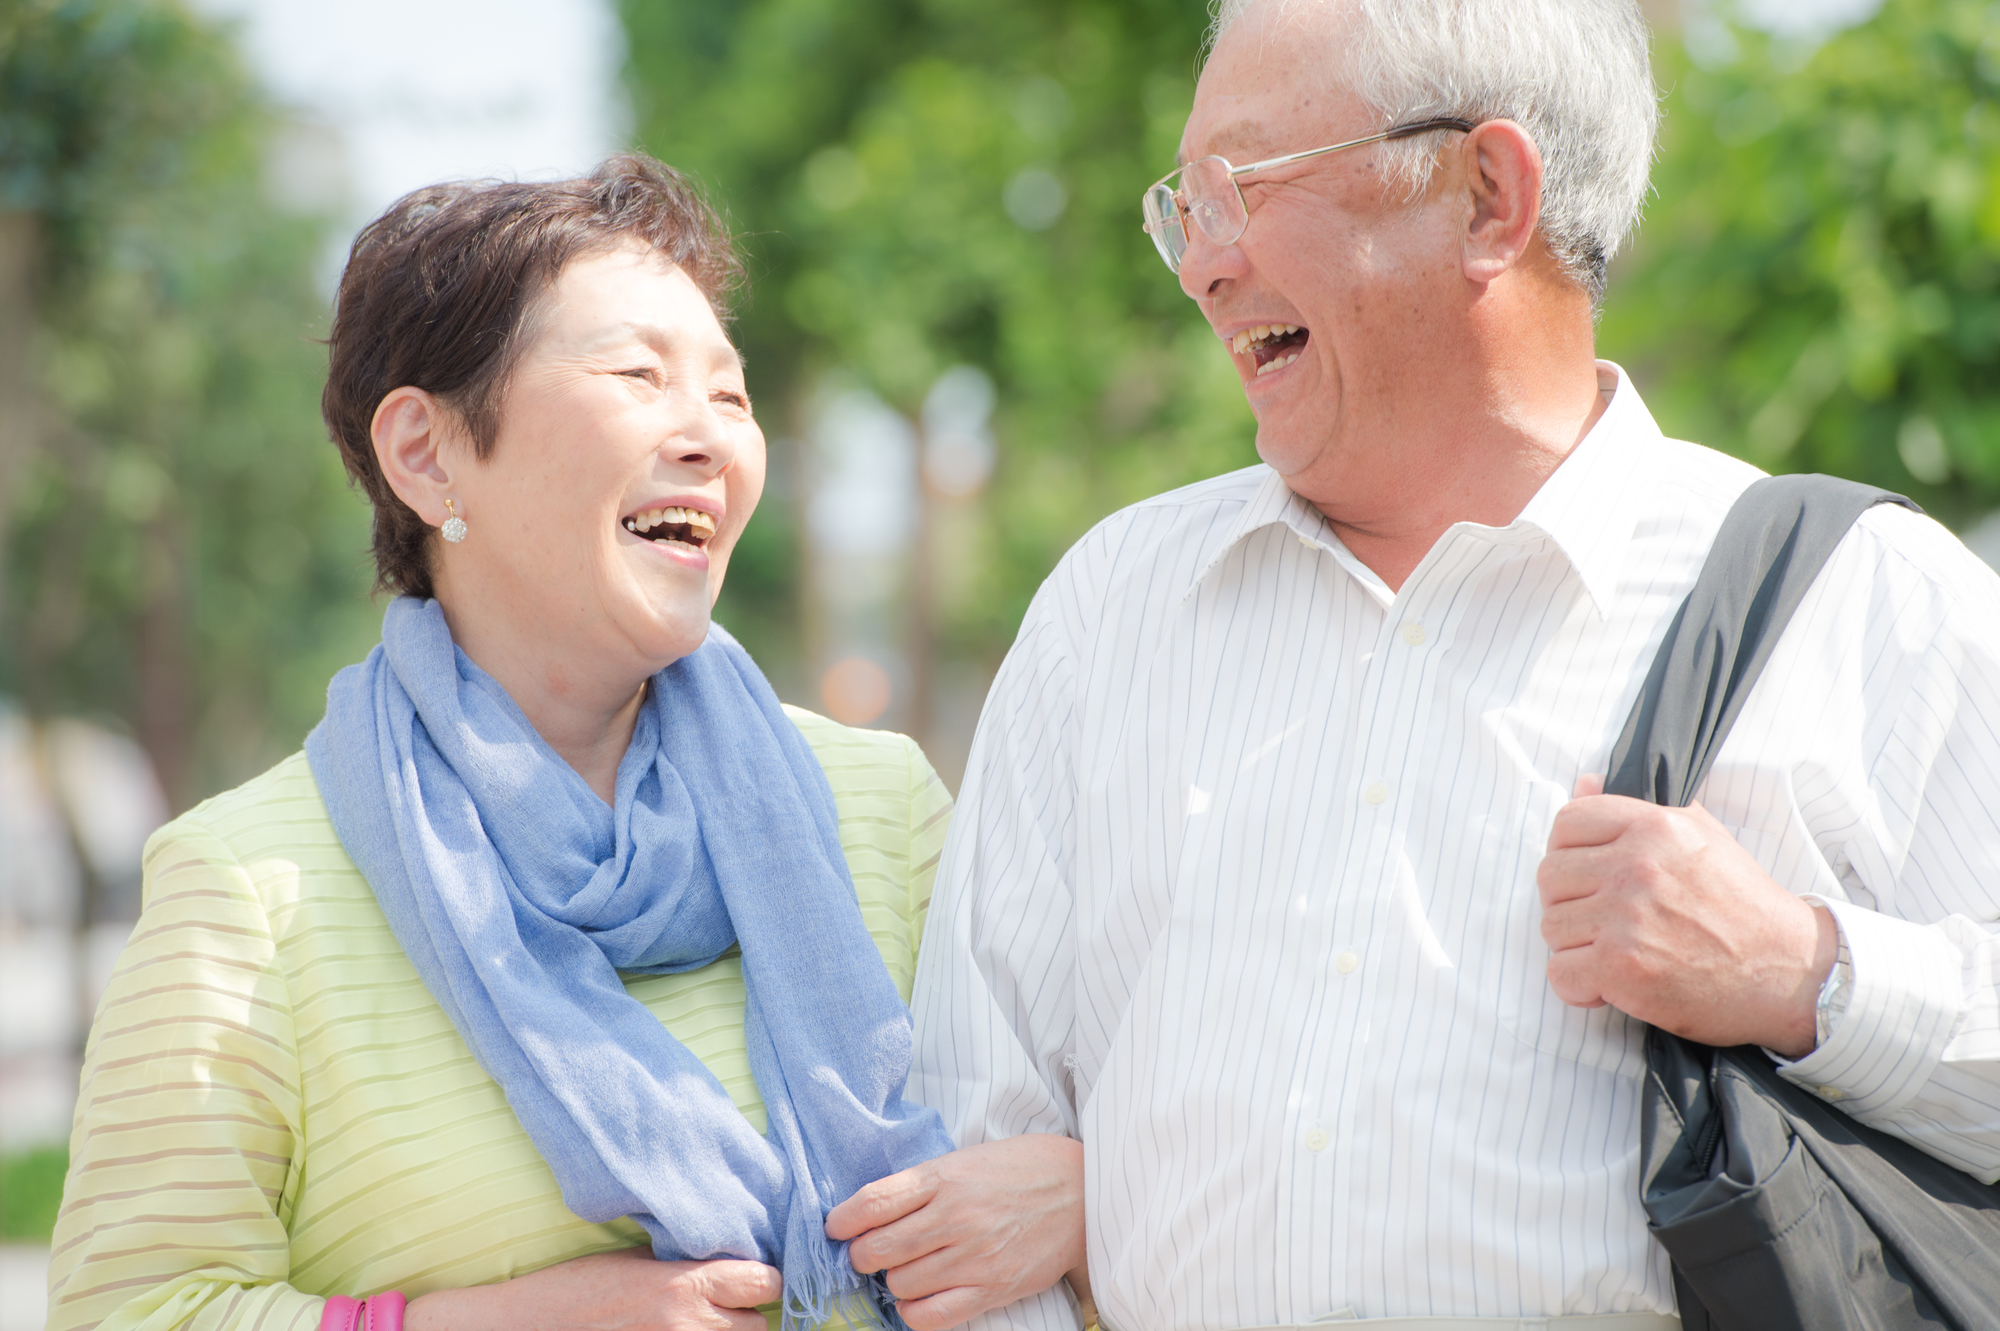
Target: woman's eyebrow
{"points": [[661, 337]]}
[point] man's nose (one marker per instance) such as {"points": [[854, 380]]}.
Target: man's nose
{"points": [[1206, 265]]}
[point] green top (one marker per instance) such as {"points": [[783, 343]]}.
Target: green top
{"points": [[274, 1109]]}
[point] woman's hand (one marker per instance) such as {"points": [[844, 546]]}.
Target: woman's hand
{"points": [[973, 1230], [608, 1291]]}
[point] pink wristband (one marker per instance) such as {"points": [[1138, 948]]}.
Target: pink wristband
{"points": [[340, 1314], [379, 1312], [384, 1312]]}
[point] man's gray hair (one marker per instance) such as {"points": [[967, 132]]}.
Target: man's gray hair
{"points": [[1574, 73]]}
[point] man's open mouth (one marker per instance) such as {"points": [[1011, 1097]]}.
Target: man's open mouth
{"points": [[684, 526], [1274, 345]]}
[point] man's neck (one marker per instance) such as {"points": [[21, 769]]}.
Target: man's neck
{"points": [[1487, 482]]}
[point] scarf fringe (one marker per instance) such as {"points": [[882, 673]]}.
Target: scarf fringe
{"points": [[830, 1288]]}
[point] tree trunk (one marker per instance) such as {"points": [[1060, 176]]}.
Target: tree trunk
{"points": [[20, 426], [166, 661]]}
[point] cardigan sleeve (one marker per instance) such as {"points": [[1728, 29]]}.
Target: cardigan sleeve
{"points": [[930, 818], [185, 1153]]}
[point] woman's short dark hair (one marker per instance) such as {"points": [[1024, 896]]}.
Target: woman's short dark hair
{"points": [[437, 293]]}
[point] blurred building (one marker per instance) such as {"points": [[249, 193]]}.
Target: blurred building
{"points": [[892, 512], [77, 802]]}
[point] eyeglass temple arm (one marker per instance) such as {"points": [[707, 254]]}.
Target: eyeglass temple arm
{"points": [[1399, 132]]}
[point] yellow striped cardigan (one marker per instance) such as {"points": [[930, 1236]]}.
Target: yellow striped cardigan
{"points": [[274, 1109]]}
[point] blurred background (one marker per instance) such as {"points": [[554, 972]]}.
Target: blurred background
{"points": [[963, 350]]}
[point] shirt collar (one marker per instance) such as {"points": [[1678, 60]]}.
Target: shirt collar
{"points": [[1273, 503], [1588, 506], [1591, 503]]}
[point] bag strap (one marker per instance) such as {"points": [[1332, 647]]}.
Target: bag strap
{"points": [[1773, 543]]}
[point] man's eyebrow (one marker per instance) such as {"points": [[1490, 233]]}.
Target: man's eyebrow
{"points": [[1236, 138]]}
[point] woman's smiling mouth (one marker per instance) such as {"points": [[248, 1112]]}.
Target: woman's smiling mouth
{"points": [[1274, 345], [672, 526]]}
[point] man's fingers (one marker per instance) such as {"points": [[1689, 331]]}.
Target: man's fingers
{"points": [[946, 1308], [1572, 976], [742, 1284], [1595, 820], [936, 1272], [1577, 873], [896, 1244], [882, 1202], [1568, 925], [1590, 783]]}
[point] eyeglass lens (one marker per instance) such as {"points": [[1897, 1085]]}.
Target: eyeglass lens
{"points": [[1211, 200]]}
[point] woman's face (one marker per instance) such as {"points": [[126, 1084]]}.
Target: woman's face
{"points": [[625, 466]]}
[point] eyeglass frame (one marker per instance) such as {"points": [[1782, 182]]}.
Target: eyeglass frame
{"points": [[1182, 212]]}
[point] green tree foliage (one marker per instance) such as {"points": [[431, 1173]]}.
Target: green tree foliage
{"points": [[926, 182], [1817, 285], [181, 551], [31, 1187]]}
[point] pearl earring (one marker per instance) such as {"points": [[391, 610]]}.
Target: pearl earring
{"points": [[453, 529]]}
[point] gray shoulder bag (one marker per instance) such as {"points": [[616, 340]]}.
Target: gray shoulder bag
{"points": [[1780, 1212]]}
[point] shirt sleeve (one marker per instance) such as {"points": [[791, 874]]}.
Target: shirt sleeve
{"points": [[994, 1004], [1916, 1053], [187, 1123]]}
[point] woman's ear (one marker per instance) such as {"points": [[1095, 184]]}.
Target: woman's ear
{"points": [[1503, 172], [412, 431]]}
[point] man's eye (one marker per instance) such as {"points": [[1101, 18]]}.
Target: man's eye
{"points": [[734, 399]]}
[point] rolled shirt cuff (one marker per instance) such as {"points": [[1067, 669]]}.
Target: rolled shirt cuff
{"points": [[1904, 1001]]}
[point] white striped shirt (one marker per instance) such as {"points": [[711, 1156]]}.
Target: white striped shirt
{"points": [[1241, 890]]}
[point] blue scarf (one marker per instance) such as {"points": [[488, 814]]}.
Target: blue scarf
{"points": [[519, 897]]}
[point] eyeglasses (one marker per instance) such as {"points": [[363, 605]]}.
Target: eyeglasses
{"points": [[1209, 194]]}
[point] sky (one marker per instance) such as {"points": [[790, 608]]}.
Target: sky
{"points": [[395, 94]]}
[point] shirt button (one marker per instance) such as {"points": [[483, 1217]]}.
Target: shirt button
{"points": [[1316, 1140], [1830, 1093], [1376, 792], [1413, 634], [1346, 963]]}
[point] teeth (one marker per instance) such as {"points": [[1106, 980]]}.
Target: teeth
{"points": [[1278, 364], [700, 523], [1250, 337]]}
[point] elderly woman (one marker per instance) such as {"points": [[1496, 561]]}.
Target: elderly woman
{"points": [[560, 980]]}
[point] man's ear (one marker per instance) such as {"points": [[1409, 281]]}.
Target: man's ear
{"points": [[413, 433], [1503, 174]]}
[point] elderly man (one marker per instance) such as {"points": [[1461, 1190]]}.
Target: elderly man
{"points": [[1279, 880]]}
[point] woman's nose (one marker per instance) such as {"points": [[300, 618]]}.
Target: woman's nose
{"points": [[706, 444]]}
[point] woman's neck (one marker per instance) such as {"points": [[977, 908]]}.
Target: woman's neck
{"points": [[587, 717]]}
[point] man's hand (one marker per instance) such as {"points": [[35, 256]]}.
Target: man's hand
{"points": [[1659, 913], [973, 1230], [611, 1291]]}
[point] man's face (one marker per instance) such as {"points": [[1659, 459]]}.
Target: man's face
{"points": [[1326, 250]]}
